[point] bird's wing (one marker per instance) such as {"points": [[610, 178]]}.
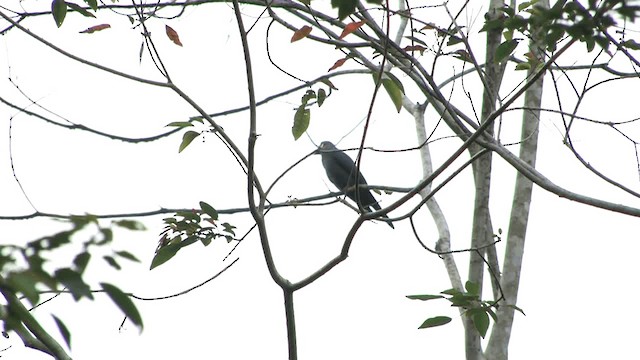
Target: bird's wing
{"points": [[341, 170], [339, 167]]}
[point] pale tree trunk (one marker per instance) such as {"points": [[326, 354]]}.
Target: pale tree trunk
{"points": [[497, 348], [482, 232], [444, 236]]}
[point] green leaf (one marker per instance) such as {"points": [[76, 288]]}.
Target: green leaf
{"points": [[164, 254], [516, 23], [451, 292], [209, 210], [74, 282], [416, 40], [345, 7], [462, 300], [187, 138], [80, 221], [329, 84], [111, 261], [516, 308], [188, 241], [25, 283], [453, 40], [394, 88], [472, 288], [107, 236], [93, 4], [480, 321], [189, 215], [81, 260], [66, 335], [125, 304], [508, 10], [59, 11], [494, 24], [523, 66], [308, 95], [130, 225], [127, 255], [491, 313], [591, 44], [228, 228], [300, 122], [79, 9], [604, 43], [505, 49], [435, 321], [179, 124], [525, 4], [424, 297], [322, 95]]}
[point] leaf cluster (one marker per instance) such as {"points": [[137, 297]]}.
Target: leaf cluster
{"points": [[25, 270], [565, 19], [186, 228], [302, 116], [478, 310], [59, 9]]}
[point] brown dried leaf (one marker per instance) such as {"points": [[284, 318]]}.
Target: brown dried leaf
{"points": [[301, 33], [419, 48], [93, 29], [337, 64], [351, 28], [173, 35]]}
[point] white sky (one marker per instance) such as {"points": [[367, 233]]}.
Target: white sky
{"points": [[580, 263]]}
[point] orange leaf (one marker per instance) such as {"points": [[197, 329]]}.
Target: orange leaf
{"points": [[337, 64], [173, 35], [93, 29], [301, 33], [351, 28]]}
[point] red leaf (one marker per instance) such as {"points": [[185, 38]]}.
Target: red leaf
{"points": [[173, 35], [301, 33], [351, 28], [337, 64], [93, 29]]}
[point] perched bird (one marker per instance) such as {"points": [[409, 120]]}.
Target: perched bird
{"points": [[342, 172]]}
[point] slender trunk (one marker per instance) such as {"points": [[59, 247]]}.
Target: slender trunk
{"points": [[497, 348]]}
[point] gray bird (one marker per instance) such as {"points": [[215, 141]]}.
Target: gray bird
{"points": [[341, 170]]}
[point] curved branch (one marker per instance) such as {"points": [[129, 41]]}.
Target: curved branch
{"points": [[81, 60], [74, 126]]}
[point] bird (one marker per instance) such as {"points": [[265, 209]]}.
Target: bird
{"points": [[343, 173]]}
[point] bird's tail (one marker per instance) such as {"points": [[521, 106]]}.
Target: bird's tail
{"points": [[388, 221], [384, 217]]}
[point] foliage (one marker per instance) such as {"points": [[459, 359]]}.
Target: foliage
{"points": [[564, 19], [478, 310], [25, 270], [302, 116], [186, 228]]}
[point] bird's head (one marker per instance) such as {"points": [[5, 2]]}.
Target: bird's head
{"points": [[325, 146]]}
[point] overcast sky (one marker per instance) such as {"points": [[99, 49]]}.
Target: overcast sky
{"points": [[580, 262]]}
